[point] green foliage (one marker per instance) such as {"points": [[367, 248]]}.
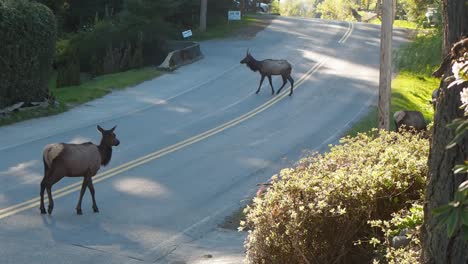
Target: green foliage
{"points": [[27, 34], [275, 7], [337, 9], [415, 9], [298, 8], [406, 223], [423, 55], [317, 210]]}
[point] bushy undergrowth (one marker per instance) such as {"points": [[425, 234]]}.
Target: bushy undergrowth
{"points": [[27, 37], [315, 212], [405, 224], [421, 56]]}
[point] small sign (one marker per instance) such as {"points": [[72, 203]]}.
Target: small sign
{"points": [[234, 15], [187, 33]]}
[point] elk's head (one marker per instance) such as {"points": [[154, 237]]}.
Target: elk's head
{"points": [[247, 59], [108, 136]]}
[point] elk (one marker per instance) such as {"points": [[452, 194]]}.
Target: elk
{"points": [[409, 119], [76, 160], [268, 68]]}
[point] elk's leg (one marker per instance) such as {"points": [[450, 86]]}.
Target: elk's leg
{"points": [[284, 83], [91, 190], [83, 189], [49, 194], [261, 81], [272, 90], [43, 187], [291, 80]]}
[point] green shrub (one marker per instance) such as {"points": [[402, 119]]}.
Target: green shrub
{"points": [[110, 46], [317, 210], [337, 9], [67, 64], [406, 222], [27, 34], [423, 55]]}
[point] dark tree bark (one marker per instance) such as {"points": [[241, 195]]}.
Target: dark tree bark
{"points": [[455, 18], [455, 22], [442, 183]]}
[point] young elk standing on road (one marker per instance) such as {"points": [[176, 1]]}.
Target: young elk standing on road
{"points": [[76, 160], [270, 67]]}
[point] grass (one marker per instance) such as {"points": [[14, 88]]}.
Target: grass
{"points": [[103, 85], [87, 91], [224, 29], [398, 23], [413, 86]]}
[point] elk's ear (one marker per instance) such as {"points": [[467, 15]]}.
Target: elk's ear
{"points": [[112, 129], [100, 129], [247, 52]]}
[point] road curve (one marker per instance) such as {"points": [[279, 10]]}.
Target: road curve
{"points": [[194, 143]]}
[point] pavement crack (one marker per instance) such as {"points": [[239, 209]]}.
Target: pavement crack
{"points": [[167, 254], [103, 251]]}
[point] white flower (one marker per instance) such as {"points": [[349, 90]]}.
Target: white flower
{"points": [[460, 69], [464, 99], [464, 96]]}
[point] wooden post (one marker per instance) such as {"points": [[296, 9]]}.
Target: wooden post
{"points": [[203, 8], [385, 82]]}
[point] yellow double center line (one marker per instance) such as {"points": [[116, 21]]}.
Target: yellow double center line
{"points": [[14, 209], [347, 34]]}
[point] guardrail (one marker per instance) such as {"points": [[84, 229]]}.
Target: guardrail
{"points": [[183, 52]]}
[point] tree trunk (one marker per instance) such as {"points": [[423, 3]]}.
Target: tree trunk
{"points": [[455, 22], [203, 8], [442, 183]]}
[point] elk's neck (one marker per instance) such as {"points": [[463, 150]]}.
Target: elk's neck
{"points": [[106, 153], [254, 65]]}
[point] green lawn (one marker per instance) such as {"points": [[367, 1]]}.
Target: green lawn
{"points": [[92, 89], [412, 88], [409, 92], [102, 85], [398, 23]]}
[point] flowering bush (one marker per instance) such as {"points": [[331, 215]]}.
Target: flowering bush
{"points": [[315, 212]]}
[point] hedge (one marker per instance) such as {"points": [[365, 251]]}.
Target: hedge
{"points": [[317, 211], [27, 35]]}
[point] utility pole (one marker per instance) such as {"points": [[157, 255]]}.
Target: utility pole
{"points": [[203, 8], [385, 82]]}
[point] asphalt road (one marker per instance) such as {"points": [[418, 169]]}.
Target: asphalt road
{"points": [[194, 144]]}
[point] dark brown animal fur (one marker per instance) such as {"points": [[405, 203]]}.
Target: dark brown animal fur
{"points": [[268, 68], [76, 160]]}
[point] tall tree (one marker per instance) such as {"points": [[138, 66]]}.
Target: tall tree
{"points": [[442, 182]]}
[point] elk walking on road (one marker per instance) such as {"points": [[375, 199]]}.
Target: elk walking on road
{"points": [[76, 160], [268, 68]]}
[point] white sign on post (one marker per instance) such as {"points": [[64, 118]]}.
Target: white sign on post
{"points": [[187, 33], [234, 15]]}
